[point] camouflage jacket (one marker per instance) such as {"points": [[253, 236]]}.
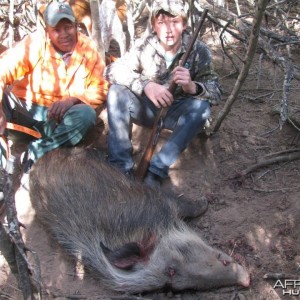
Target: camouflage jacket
{"points": [[145, 62]]}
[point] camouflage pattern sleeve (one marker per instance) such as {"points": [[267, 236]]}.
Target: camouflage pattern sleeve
{"points": [[202, 72], [127, 70]]}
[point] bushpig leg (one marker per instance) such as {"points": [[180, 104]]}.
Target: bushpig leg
{"points": [[126, 233]]}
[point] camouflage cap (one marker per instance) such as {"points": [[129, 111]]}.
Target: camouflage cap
{"points": [[57, 11], [174, 7]]}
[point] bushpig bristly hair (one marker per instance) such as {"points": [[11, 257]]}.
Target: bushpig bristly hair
{"points": [[127, 233]]}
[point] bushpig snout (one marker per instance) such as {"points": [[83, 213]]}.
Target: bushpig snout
{"points": [[195, 265], [127, 234], [232, 272]]}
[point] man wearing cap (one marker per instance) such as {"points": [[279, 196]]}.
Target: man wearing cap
{"points": [[140, 81], [52, 83]]}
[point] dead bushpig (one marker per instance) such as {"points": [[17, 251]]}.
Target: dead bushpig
{"points": [[127, 233]]}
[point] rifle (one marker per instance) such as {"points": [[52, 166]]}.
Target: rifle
{"points": [[158, 122]]}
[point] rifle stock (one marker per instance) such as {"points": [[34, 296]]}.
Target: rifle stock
{"points": [[158, 122]]}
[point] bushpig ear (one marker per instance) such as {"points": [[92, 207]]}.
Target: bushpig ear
{"points": [[125, 257], [129, 254]]}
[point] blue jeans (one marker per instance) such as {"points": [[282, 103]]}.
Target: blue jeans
{"points": [[77, 121], [185, 117]]}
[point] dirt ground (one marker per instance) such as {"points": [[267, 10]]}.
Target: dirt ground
{"points": [[254, 218]]}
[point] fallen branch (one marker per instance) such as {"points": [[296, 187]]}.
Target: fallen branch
{"points": [[271, 159], [274, 154], [13, 238], [14, 234], [64, 296]]}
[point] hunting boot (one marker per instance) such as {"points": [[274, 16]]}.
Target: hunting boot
{"points": [[152, 180]]}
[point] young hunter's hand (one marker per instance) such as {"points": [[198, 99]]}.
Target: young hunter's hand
{"points": [[2, 121], [182, 77], [158, 94], [57, 110]]}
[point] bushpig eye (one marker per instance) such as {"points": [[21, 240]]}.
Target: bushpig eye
{"points": [[226, 262]]}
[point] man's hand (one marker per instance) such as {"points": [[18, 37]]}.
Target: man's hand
{"points": [[57, 110], [158, 94], [2, 121], [182, 77]]}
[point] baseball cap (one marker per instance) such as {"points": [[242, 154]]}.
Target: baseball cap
{"points": [[174, 7], [56, 11]]}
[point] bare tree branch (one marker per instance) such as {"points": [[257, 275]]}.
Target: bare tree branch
{"points": [[13, 238], [96, 30], [261, 5]]}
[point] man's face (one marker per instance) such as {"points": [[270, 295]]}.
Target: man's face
{"points": [[63, 36], [169, 30]]}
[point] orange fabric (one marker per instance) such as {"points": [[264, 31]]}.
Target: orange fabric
{"points": [[110, 58], [43, 77], [23, 129]]}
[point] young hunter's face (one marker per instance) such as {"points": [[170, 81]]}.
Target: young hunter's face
{"points": [[63, 36], [169, 31]]}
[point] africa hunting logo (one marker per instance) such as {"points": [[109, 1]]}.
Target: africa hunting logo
{"points": [[290, 287]]}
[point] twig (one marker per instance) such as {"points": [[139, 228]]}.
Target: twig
{"points": [[274, 154], [262, 175], [61, 295], [259, 70], [283, 190], [270, 131], [224, 50], [253, 99], [288, 43], [237, 7], [276, 4], [268, 171], [289, 119], [128, 298], [5, 296], [234, 246], [281, 276]]}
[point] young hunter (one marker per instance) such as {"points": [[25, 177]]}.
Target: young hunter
{"points": [[52, 83], [140, 81]]}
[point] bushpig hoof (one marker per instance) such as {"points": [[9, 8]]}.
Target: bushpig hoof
{"points": [[188, 209]]}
